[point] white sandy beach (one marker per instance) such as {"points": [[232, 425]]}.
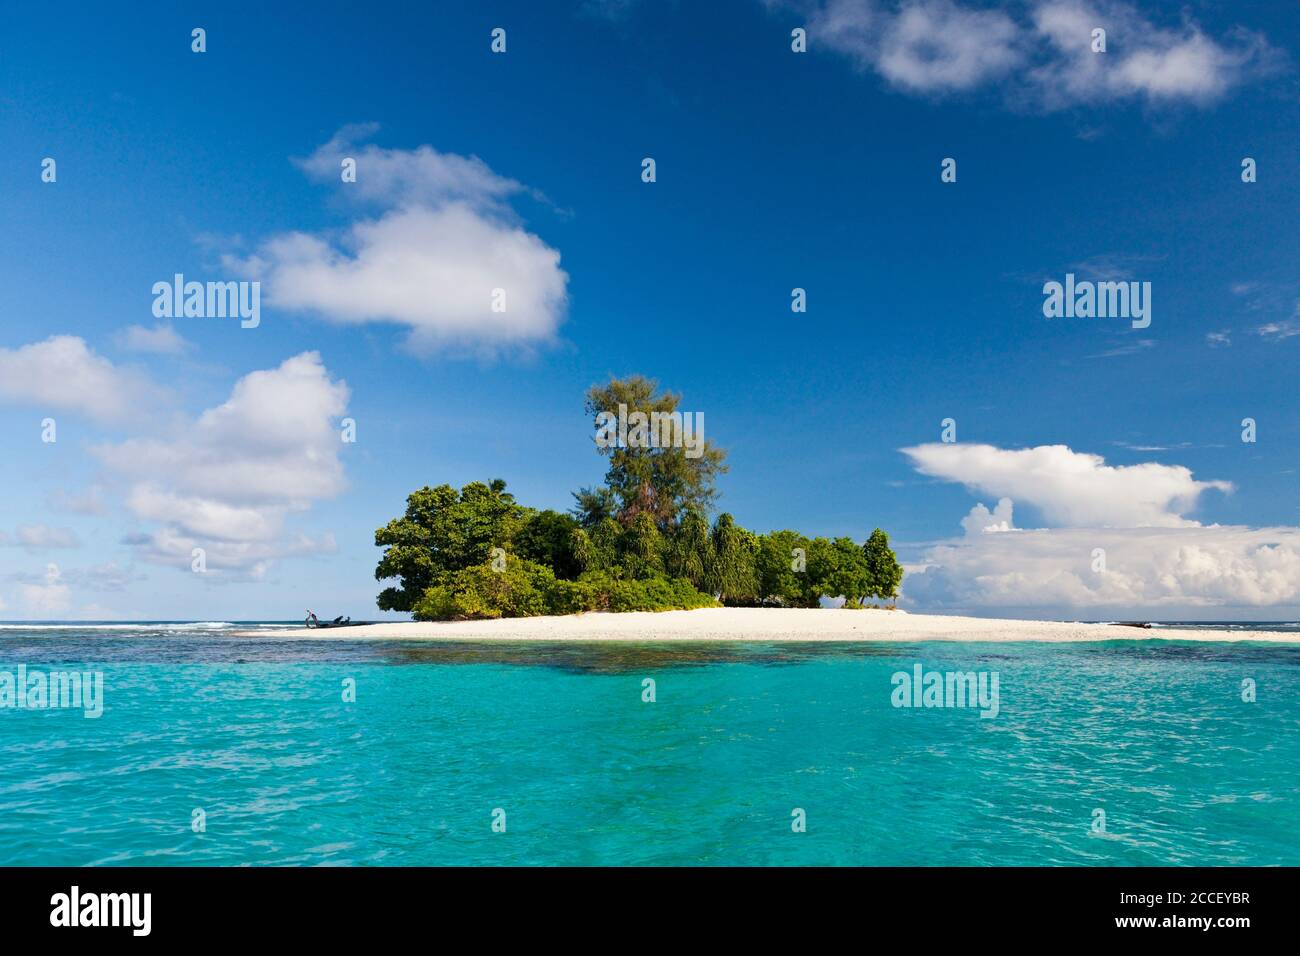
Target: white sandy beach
{"points": [[763, 624]]}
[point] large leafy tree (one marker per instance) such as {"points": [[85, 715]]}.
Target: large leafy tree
{"points": [[851, 578], [782, 564], [883, 569], [823, 566], [443, 530], [662, 482]]}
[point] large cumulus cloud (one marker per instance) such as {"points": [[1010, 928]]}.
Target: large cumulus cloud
{"points": [[1118, 538]]}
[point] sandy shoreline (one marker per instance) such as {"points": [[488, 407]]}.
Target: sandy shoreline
{"points": [[762, 624]]}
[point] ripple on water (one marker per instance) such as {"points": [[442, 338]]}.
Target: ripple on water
{"points": [[1156, 735]]}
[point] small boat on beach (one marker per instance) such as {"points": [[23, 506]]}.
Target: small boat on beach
{"points": [[314, 623]]}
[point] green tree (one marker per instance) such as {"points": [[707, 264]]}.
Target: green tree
{"points": [[584, 552], [735, 575], [606, 539], [641, 548], [690, 551], [520, 589], [851, 578], [885, 573], [546, 537], [783, 576], [823, 565], [594, 505], [660, 481], [443, 530]]}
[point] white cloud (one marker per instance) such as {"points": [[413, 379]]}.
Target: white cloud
{"points": [[1189, 567], [48, 599], [1121, 541], [1142, 60], [1284, 329], [228, 481], [1070, 488], [444, 239], [39, 537], [162, 339], [1044, 55], [935, 45], [89, 502], [408, 177], [1125, 348], [226, 559], [927, 46], [982, 521], [109, 576], [63, 374]]}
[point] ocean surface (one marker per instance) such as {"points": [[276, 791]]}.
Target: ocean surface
{"points": [[251, 743]]}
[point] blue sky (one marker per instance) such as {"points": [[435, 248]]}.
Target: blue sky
{"points": [[775, 170]]}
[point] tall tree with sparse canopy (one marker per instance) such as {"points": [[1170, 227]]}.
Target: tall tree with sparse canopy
{"points": [[664, 481]]}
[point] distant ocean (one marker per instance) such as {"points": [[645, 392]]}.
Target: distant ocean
{"points": [[1107, 753]]}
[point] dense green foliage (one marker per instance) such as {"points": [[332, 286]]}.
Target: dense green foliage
{"points": [[641, 542], [443, 550], [883, 568], [601, 591], [547, 538], [443, 530], [520, 589]]}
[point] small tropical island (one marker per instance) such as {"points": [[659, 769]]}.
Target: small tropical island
{"points": [[642, 541], [637, 558]]}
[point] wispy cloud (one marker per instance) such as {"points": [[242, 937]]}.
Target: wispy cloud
{"points": [[1041, 54], [1126, 348], [160, 339], [1285, 329], [1113, 266], [41, 537]]}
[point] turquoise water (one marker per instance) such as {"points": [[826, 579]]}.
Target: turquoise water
{"points": [[257, 735]]}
